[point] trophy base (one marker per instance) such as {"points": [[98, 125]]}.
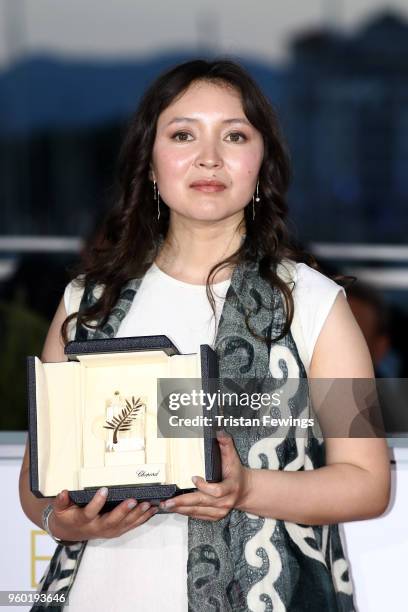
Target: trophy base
{"points": [[142, 473]]}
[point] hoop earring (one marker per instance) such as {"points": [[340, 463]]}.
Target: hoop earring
{"points": [[156, 196], [255, 198]]}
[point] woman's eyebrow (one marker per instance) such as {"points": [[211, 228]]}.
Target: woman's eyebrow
{"points": [[192, 120]]}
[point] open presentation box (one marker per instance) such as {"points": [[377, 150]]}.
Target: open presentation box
{"points": [[93, 421]]}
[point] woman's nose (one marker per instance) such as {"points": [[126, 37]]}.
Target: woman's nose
{"points": [[209, 157]]}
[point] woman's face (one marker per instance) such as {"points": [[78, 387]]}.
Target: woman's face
{"points": [[204, 136]]}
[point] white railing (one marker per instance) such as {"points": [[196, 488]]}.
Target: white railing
{"points": [[381, 277], [343, 250], [39, 244]]}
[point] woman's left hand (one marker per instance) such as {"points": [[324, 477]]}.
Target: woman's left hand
{"points": [[214, 500]]}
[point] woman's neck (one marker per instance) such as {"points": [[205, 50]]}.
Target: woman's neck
{"points": [[190, 250]]}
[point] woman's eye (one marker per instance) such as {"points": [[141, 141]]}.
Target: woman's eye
{"points": [[237, 137], [181, 136]]}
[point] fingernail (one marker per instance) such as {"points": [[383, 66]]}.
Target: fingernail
{"points": [[194, 479], [168, 504], [145, 506], [132, 504], [103, 491]]}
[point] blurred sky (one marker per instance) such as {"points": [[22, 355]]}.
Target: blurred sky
{"points": [[258, 28]]}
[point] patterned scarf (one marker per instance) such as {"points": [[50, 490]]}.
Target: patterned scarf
{"points": [[244, 562]]}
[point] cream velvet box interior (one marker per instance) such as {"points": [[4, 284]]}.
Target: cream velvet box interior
{"points": [[93, 421]]}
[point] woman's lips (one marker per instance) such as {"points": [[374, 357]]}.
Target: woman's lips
{"points": [[208, 188]]}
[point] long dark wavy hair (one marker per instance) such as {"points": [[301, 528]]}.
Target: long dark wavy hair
{"points": [[130, 238]]}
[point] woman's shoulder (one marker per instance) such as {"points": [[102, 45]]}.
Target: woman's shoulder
{"points": [[310, 280], [313, 294], [74, 291], [73, 294], [307, 279]]}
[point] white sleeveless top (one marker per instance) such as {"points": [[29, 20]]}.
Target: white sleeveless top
{"points": [[144, 570]]}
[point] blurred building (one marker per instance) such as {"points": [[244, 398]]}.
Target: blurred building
{"points": [[348, 132], [343, 102]]}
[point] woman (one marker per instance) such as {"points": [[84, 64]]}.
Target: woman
{"points": [[198, 249]]}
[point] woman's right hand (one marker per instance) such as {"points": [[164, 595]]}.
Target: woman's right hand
{"points": [[74, 523]]}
